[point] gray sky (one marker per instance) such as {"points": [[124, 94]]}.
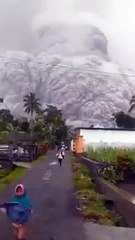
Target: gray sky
{"points": [[15, 23], [116, 18]]}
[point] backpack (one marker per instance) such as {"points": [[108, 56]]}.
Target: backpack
{"points": [[19, 214]]}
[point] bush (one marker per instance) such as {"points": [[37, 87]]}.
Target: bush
{"points": [[124, 167], [79, 168], [95, 211], [124, 163], [111, 174], [88, 196], [101, 215], [82, 182]]}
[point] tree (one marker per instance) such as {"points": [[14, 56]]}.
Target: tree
{"points": [[51, 125], [57, 123], [124, 120], [6, 120], [132, 104], [6, 116], [53, 115], [24, 126], [31, 103]]}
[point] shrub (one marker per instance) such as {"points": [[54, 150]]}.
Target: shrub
{"points": [[88, 196], [82, 182], [101, 215], [122, 168], [124, 163], [79, 168], [111, 174], [97, 213]]}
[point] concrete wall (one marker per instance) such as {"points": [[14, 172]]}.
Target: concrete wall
{"points": [[100, 232], [124, 202], [103, 138], [93, 166]]}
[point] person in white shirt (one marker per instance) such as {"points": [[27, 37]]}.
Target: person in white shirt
{"points": [[60, 157], [63, 152]]}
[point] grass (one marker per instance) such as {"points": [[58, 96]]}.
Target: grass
{"points": [[101, 215], [42, 157], [79, 168], [109, 155], [91, 203], [13, 176], [4, 172], [7, 176], [82, 182]]}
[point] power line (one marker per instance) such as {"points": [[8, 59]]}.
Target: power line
{"points": [[100, 72], [67, 66], [20, 60]]}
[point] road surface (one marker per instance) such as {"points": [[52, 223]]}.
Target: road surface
{"points": [[51, 190]]}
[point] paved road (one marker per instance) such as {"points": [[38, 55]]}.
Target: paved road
{"points": [[51, 190]]}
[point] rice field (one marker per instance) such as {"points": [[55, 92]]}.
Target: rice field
{"points": [[109, 155]]}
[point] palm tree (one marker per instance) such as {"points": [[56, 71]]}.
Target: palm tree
{"points": [[31, 103], [132, 104]]}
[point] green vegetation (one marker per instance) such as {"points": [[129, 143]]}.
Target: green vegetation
{"points": [[31, 103], [112, 174], [122, 169], [4, 172], [42, 157], [16, 174], [82, 182], [109, 155], [91, 203], [7, 176], [121, 162], [98, 213], [45, 125], [124, 120]]}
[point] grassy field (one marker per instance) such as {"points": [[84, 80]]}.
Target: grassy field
{"points": [[109, 155], [13, 176]]}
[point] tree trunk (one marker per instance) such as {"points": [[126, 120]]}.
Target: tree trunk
{"points": [[31, 134]]}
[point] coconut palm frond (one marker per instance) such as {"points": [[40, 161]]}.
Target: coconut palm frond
{"points": [[131, 108], [132, 101], [31, 103]]}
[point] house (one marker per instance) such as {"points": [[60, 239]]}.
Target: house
{"points": [[102, 137]]}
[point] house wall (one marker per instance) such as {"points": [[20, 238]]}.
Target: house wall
{"points": [[113, 138]]}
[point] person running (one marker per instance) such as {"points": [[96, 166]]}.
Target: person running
{"points": [[60, 157], [63, 152], [19, 214]]}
